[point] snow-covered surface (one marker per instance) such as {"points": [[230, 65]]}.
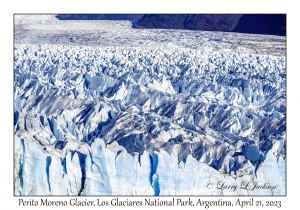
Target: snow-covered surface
{"points": [[43, 29], [50, 24], [101, 109]]}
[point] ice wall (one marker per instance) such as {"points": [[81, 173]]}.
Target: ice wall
{"points": [[110, 170]]}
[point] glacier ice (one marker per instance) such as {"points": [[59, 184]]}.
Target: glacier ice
{"points": [[122, 111]]}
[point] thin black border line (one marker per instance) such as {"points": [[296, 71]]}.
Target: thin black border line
{"points": [[112, 196]]}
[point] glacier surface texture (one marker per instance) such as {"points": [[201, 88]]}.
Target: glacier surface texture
{"points": [[101, 108]]}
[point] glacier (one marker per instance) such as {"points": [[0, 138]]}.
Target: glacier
{"points": [[101, 108]]}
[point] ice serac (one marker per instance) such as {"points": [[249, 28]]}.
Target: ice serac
{"points": [[58, 179], [31, 174], [146, 112], [116, 172]]}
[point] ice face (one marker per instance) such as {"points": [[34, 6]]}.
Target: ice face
{"points": [[111, 170], [131, 118]]}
